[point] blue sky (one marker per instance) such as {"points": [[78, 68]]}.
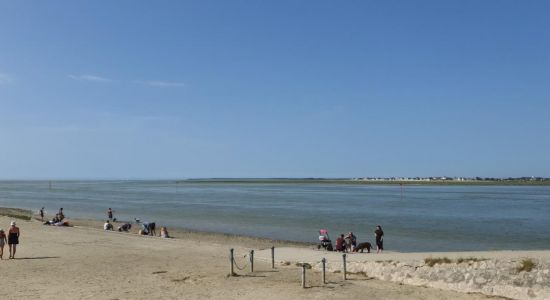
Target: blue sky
{"points": [[179, 89]]}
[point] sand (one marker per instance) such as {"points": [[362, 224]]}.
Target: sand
{"points": [[88, 263]]}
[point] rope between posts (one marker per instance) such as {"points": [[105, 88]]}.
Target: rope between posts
{"points": [[244, 266]]}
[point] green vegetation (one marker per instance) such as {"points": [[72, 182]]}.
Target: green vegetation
{"points": [[526, 265], [432, 261], [470, 260], [16, 213]]}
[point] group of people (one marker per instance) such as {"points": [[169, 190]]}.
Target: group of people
{"points": [[349, 243], [12, 239], [58, 220], [147, 228]]}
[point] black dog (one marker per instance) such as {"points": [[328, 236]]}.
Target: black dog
{"points": [[362, 246]]}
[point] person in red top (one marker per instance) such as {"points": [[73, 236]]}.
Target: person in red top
{"points": [[341, 243]]}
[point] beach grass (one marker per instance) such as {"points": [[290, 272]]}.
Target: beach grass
{"points": [[16, 213], [432, 261], [526, 265]]}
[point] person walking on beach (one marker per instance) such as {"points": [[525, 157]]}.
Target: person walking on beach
{"points": [[379, 235], [42, 214], [3, 241], [13, 238], [110, 214]]}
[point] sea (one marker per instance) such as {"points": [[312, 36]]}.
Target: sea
{"points": [[414, 219]]}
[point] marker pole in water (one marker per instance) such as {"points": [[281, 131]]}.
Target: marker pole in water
{"points": [[401, 184]]}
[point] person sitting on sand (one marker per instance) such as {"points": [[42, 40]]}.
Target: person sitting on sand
{"points": [[379, 235], [164, 232], [341, 243], [13, 238], [60, 215], [125, 227], [107, 226], [3, 241]]}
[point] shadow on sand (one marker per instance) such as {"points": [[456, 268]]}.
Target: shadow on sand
{"points": [[38, 257]]}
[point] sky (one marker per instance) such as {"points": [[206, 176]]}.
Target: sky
{"points": [[194, 89]]}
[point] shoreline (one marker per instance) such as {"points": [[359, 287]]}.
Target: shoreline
{"points": [[226, 238]]}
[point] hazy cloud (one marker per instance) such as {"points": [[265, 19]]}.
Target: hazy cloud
{"points": [[5, 79], [89, 77], [152, 83], [158, 83]]}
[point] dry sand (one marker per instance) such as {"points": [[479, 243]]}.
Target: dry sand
{"points": [[87, 263]]}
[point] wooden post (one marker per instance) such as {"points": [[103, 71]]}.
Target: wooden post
{"points": [[304, 275], [344, 266], [273, 257], [252, 261], [324, 261], [231, 261]]}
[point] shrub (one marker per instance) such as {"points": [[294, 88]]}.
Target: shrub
{"points": [[526, 265], [432, 261], [470, 260]]}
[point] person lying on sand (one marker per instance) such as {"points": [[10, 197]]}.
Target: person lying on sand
{"points": [[125, 227]]}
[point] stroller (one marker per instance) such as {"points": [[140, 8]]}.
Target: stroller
{"points": [[324, 240]]}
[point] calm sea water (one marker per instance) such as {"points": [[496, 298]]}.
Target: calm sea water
{"points": [[427, 218]]}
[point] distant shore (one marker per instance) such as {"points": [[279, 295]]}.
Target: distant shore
{"points": [[365, 182]]}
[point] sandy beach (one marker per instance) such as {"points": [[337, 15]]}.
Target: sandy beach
{"points": [[82, 262]]}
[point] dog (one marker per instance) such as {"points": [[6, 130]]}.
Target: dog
{"points": [[362, 246]]}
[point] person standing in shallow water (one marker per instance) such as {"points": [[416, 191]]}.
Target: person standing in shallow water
{"points": [[13, 239], [42, 214], [110, 214], [379, 235]]}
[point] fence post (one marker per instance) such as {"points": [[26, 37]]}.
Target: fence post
{"points": [[324, 261], [273, 257], [344, 265], [303, 275], [231, 261], [252, 261]]}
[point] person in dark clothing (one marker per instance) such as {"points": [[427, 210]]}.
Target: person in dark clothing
{"points": [[379, 235], [110, 214]]}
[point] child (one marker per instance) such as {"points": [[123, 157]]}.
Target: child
{"points": [[3, 241], [164, 233]]}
